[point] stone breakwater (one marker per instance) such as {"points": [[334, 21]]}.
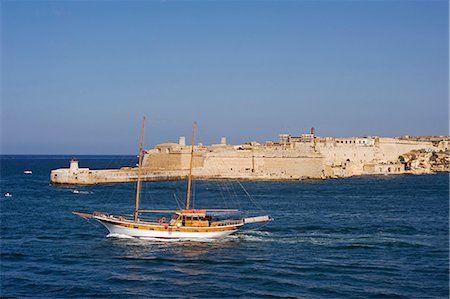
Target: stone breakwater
{"points": [[291, 158]]}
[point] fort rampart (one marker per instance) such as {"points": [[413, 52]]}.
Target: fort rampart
{"points": [[291, 158]]}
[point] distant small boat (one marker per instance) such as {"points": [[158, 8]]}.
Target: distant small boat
{"points": [[28, 172], [8, 194], [80, 192]]}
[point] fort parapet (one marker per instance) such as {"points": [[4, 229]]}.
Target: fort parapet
{"points": [[290, 158]]}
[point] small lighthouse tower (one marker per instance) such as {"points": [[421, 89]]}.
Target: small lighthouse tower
{"points": [[73, 166]]}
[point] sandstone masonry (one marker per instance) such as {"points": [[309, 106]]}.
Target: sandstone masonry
{"points": [[290, 158]]}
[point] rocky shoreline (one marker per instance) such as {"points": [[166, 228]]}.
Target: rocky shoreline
{"points": [[423, 162]]}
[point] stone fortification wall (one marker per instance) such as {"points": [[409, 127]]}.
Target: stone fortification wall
{"points": [[172, 157], [389, 149], [258, 161], [336, 153], [246, 161], [292, 159], [371, 155], [365, 150]]}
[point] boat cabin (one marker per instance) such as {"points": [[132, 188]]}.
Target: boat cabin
{"points": [[191, 218]]}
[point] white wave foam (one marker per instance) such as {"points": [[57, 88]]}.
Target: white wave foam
{"points": [[252, 237], [159, 239], [119, 236], [163, 240]]}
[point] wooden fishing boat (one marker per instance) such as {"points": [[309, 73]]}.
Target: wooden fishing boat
{"points": [[185, 224]]}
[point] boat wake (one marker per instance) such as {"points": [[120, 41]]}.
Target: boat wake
{"points": [[153, 239], [255, 236], [119, 236]]}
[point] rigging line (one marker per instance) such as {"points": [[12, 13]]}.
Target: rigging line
{"points": [[192, 205], [176, 200], [195, 193], [146, 193], [88, 221], [148, 190], [227, 186], [111, 190], [250, 197], [173, 186], [175, 189], [257, 227], [113, 162], [134, 165], [235, 194], [218, 195], [217, 185]]}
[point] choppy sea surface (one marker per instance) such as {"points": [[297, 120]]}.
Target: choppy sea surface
{"points": [[363, 237]]}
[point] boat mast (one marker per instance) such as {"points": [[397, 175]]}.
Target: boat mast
{"points": [[188, 198], [138, 189]]}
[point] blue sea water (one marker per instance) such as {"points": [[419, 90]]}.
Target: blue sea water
{"points": [[363, 237]]}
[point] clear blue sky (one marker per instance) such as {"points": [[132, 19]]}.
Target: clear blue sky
{"points": [[77, 76]]}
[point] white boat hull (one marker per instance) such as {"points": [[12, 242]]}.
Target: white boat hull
{"points": [[169, 233]]}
